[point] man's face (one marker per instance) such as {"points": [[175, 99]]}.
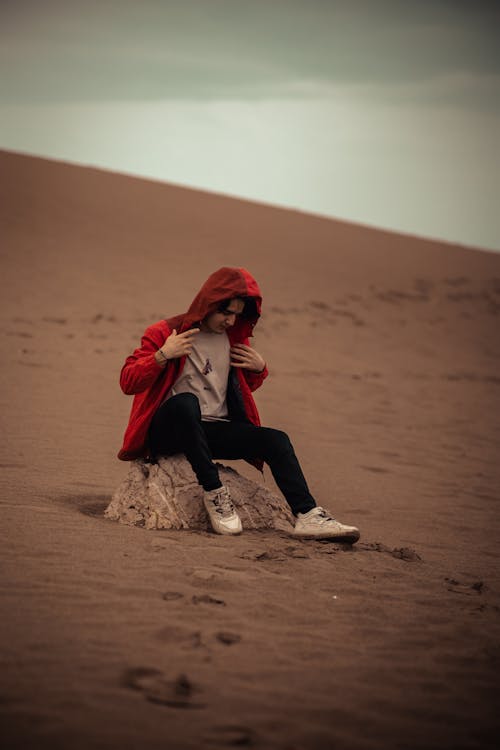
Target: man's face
{"points": [[221, 320]]}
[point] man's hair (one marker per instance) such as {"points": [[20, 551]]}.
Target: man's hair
{"points": [[249, 308]]}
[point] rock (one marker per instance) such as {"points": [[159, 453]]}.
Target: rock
{"points": [[167, 495]]}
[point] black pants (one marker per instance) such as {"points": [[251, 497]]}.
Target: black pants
{"points": [[177, 428]]}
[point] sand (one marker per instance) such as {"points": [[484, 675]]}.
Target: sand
{"points": [[384, 353]]}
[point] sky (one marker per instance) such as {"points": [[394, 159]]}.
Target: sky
{"points": [[379, 112]]}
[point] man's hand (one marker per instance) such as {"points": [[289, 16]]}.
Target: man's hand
{"points": [[176, 345], [246, 357]]}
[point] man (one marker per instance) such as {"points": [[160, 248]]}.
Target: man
{"points": [[193, 378]]}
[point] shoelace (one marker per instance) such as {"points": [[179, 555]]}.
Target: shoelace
{"points": [[223, 504], [324, 515]]}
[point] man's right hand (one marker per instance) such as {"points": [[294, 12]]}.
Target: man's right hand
{"points": [[176, 345]]}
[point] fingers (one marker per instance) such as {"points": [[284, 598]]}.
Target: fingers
{"points": [[237, 351], [238, 361], [249, 360], [189, 334], [246, 363], [181, 338], [185, 334], [186, 340]]}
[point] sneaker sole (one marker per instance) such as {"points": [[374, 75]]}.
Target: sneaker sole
{"points": [[222, 529], [351, 538], [226, 532]]}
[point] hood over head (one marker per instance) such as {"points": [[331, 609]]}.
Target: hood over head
{"points": [[226, 283]]}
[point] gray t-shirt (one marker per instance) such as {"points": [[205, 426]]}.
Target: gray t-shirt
{"points": [[205, 374]]}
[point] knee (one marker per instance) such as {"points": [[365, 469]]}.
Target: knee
{"points": [[278, 441]]}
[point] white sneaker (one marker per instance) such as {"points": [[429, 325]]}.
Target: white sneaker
{"points": [[221, 511], [317, 523]]}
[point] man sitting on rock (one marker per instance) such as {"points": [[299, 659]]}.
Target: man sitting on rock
{"points": [[193, 378]]}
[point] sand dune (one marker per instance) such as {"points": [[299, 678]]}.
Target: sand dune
{"points": [[384, 353]]}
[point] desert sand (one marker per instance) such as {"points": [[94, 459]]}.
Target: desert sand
{"points": [[384, 352]]}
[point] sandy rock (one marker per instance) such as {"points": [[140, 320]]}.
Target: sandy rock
{"points": [[166, 495]]}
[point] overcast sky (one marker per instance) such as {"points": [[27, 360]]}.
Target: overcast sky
{"points": [[383, 112]]}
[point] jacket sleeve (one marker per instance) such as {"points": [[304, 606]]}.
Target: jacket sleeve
{"points": [[254, 379], [141, 369]]}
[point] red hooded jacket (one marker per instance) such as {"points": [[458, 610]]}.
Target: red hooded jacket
{"points": [[150, 383]]}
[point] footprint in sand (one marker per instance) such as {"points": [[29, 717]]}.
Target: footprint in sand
{"points": [[19, 334], [225, 579], [355, 319], [57, 321], [184, 639], [33, 364], [263, 556], [319, 305], [401, 553], [469, 589], [406, 553], [231, 735], [171, 596], [396, 297], [228, 638], [157, 688], [100, 317], [207, 599], [296, 553]]}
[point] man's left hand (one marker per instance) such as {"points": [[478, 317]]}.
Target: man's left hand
{"points": [[246, 357]]}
